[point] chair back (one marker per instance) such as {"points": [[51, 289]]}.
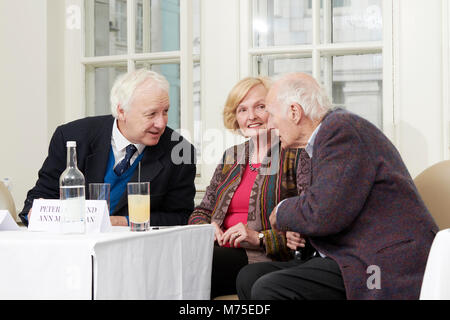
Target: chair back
{"points": [[7, 201], [433, 185]]}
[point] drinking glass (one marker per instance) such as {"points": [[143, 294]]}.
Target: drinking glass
{"points": [[100, 191], [139, 205]]}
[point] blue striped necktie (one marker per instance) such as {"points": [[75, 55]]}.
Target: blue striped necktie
{"points": [[123, 165]]}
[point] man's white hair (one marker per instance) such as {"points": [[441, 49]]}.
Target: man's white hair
{"points": [[305, 91], [126, 84]]}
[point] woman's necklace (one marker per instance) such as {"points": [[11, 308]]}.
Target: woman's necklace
{"points": [[252, 168]]}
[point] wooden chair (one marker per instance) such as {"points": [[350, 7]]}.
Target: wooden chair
{"points": [[433, 185]]}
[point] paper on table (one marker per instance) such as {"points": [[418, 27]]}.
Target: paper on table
{"points": [[7, 223], [46, 216], [97, 216]]}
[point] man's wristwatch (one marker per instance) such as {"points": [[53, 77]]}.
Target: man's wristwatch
{"points": [[261, 239]]}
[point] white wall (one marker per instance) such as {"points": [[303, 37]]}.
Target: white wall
{"points": [[29, 89], [421, 113], [220, 71]]}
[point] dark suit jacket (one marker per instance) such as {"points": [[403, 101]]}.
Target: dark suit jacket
{"points": [[362, 209], [172, 186]]}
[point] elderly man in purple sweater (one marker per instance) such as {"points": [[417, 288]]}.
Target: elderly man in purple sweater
{"points": [[361, 211]]}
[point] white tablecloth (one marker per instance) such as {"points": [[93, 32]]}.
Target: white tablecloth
{"points": [[436, 281], [171, 263]]}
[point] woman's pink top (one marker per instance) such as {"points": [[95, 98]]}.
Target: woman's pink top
{"points": [[238, 209]]}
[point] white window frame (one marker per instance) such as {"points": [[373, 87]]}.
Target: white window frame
{"points": [[316, 50]]}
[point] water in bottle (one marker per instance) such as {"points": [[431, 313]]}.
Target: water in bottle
{"points": [[72, 192]]}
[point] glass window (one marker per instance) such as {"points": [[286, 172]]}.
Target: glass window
{"points": [[107, 27], [357, 85], [359, 20], [281, 22], [157, 25]]}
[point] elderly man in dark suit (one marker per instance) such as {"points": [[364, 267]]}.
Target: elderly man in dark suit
{"points": [[361, 211], [109, 149]]}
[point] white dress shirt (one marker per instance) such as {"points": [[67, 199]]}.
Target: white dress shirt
{"points": [[310, 145], [119, 144]]}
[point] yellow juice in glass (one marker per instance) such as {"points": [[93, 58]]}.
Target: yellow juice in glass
{"points": [[139, 208]]}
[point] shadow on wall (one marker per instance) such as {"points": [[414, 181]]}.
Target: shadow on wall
{"points": [[413, 149]]}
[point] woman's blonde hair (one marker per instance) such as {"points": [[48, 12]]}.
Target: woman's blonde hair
{"points": [[235, 97]]}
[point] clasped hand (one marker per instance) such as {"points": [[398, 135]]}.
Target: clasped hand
{"points": [[241, 235], [294, 240], [237, 235]]}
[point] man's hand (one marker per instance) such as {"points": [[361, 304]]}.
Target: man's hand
{"points": [[294, 240], [119, 221], [29, 212]]}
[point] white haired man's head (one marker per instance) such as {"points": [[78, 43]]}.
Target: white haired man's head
{"points": [[303, 89], [140, 103], [126, 84], [296, 104]]}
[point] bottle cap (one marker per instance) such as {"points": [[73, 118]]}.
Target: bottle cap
{"points": [[71, 144]]}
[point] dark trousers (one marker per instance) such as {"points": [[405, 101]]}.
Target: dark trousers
{"points": [[314, 279], [227, 262]]}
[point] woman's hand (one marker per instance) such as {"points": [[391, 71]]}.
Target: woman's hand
{"points": [[241, 235], [294, 240], [218, 233]]}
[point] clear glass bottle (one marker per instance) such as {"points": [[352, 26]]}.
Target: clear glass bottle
{"points": [[72, 192]]}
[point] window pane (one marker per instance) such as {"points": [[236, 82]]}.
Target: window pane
{"points": [[358, 85], [172, 74], [357, 20], [281, 22], [99, 83], [157, 25], [108, 32], [278, 64]]}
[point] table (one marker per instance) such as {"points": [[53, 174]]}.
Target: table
{"points": [[436, 280], [170, 263]]}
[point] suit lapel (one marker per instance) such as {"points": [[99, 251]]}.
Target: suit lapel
{"points": [[97, 160], [150, 164]]}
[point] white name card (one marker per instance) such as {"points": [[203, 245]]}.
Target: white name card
{"points": [[7, 223], [46, 216]]}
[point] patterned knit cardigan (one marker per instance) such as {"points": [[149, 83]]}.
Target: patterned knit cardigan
{"points": [[274, 183]]}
